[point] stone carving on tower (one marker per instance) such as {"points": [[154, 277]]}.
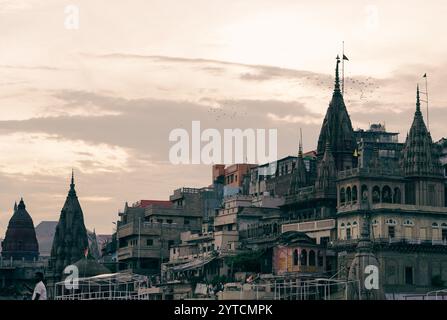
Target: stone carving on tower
{"points": [[325, 184], [20, 240], [337, 130], [70, 240]]}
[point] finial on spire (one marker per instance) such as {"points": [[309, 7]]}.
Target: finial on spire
{"points": [[72, 184], [21, 204], [418, 101], [337, 77], [300, 148]]}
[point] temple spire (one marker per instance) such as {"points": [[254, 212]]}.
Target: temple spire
{"points": [[337, 77], [300, 146], [72, 184], [418, 101], [15, 206]]}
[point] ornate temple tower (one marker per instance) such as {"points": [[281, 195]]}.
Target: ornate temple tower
{"points": [[300, 177], [421, 166], [70, 240], [20, 240], [337, 130]]}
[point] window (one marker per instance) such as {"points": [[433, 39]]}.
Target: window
{"points": [[348, 233], [186, 221], [303, 257], [386, 194], [444, 234], [391, 232], [409, 275], [169, 221], [342, 196], [150, 242], [170, 243], [376, 194], [348, 194], [160, 220], [295, 257]]}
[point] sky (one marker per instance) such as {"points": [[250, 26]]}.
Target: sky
{"points": [[101, 93]]}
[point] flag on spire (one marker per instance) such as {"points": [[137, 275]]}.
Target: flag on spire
{"points": [[345, 57], [424, 76]]}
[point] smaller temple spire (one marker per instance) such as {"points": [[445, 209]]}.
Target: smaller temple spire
{"points": [[15, 207], [418, 101], [300, 146], [337, 77]]}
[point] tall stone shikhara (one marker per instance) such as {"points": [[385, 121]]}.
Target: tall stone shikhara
{"points": [[337, 130], [70, 240]]}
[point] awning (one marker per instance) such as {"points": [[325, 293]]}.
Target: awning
{"points": [[196, 263]]}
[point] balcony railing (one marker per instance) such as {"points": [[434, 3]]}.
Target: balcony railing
{"points": [[392, 241]]}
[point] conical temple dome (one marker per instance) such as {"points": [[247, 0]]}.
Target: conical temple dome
{"points": [[70, 240], [20, 239], [419, 155], [337, 129]]}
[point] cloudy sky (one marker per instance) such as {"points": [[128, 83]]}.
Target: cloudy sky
{"points": [[103, 98]]}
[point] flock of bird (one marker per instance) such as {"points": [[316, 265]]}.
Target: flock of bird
{"points": [[356, 89]]}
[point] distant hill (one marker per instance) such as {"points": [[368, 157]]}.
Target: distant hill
{"points": [[45, 233]]}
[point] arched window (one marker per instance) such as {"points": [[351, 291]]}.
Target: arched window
{"points": [[364, 194], [386, 194], [342, 196], [408, 223], [348, 231], [444, 225], [295, 257], [397, 197], [376, 194], [348, 194], [354, 194], [434, 225], [311, 258], [303, 259]]}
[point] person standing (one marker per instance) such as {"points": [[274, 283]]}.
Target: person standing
{"points": [[40, 292]]}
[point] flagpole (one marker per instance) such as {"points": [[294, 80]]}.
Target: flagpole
{"points": [[343, 69], [426, 94]]}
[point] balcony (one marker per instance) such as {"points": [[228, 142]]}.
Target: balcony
{"points": [[144, 252], [148, 229], [309, 226]]}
